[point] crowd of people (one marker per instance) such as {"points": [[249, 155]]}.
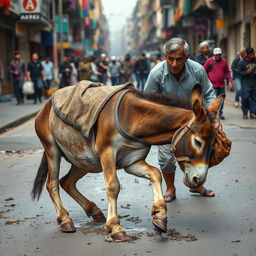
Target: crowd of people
{"points": [[72, 70], [117, 71]]}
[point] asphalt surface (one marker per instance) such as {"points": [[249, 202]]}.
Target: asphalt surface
{"points": [[223, 225]]}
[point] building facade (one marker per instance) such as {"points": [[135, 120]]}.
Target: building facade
{"points": [[229, 24]]}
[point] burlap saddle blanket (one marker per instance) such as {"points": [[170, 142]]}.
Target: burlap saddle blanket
{"points": [[79, 105]]}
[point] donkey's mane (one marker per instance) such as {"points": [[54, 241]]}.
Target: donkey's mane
{"points": [[162, 99], [172, 101]]}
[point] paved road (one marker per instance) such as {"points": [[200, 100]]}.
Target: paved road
{"points": [[224, 225]]}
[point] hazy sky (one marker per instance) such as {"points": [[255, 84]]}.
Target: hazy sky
{"points": [[117, 11]]}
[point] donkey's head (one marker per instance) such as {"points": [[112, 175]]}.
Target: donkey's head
{"points": [[195, 141]]}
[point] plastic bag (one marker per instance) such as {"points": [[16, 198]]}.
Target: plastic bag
{"points": [[28, 88]]}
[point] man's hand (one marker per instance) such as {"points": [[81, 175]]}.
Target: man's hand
{"points": [[230, 85], [249, 70]]}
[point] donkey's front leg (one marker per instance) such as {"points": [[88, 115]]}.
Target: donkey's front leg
{"points": [[142, 169], [112, 188]]}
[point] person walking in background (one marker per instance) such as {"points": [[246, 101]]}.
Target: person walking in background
{"points": [[204, 53], [176, 76], [218, 70], [85, 69], [49, 75], [126, 69], [114, 71], [247, 71], [155, 61], [103, 67], [74, 74], [18, 71], [141, 71], [236, 76], [35, 73], [94, 74], [65, 73]]}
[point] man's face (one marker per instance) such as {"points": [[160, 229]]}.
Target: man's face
{"points": [[34, 57], [176, 61], [217, 57], [17, 56], [251, 55], [205, 49]]}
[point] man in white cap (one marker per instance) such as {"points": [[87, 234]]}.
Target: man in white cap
{"points": [[218, 70], [204, 53]]}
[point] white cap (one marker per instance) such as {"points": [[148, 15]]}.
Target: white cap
{"points": [[113, 58], [202, 44], [217, 51]]}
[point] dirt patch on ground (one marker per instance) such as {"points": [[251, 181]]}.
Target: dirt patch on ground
{"points": [[172, 234]]}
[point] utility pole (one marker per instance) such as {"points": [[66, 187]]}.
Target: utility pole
{"points": [[55, 48]]}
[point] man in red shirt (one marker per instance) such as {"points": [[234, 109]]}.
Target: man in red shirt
{"points": [[217, 70]]}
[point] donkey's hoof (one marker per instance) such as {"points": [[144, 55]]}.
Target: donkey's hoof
{"points": [[99, 217], [68, 227], [160, 225], [119, 236]]}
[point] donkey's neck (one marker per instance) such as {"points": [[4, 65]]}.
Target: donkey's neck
{"points": [[153, 122]]}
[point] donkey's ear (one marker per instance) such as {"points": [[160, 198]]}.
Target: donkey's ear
{"points": [[199, 111], [215, 105], [197, 94]]}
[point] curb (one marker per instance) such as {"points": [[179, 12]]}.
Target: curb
{"points": [[17, 122]]}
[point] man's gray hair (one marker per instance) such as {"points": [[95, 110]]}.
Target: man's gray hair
{"points": [[174, 44]]}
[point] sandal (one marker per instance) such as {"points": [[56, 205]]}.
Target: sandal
{"points": [[171, 196], [204, 193]]}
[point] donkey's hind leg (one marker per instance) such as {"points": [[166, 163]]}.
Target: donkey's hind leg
{"points": [[68, 183], [52, 185]]}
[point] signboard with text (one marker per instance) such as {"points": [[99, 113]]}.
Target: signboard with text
{"points": [[30, 6], [34, 11]]}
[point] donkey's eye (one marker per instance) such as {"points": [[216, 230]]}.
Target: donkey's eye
{"points": [[198, 143]]}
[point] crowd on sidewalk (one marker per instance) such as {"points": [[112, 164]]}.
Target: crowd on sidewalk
{"points": [[119, 70]]}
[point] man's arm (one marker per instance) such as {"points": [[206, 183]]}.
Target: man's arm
{"points": [[227, 71], [241, 68], [209, 95], [152, 85], [207, 88]]}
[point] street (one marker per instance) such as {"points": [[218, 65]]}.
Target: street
{"points": [[224, 225]]}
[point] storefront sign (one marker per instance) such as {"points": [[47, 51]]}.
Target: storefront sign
{"points": [[34, 11], [30, 6]]}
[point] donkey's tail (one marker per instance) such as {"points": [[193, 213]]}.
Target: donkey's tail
{"points": [[40, 178]]}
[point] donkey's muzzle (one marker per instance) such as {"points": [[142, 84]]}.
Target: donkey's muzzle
{"points": [[195, 176]]}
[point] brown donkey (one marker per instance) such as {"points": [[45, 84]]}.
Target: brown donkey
{"points": [[125, 129]]}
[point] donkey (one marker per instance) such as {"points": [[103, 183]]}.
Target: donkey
{"points": [[125, 129]]}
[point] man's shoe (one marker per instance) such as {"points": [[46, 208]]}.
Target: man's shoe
{"points": [[221, 117], [245, 116], [253, 116]]}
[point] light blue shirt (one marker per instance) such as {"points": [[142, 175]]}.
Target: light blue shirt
{"points": [[48, 69], [160, 80]]}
